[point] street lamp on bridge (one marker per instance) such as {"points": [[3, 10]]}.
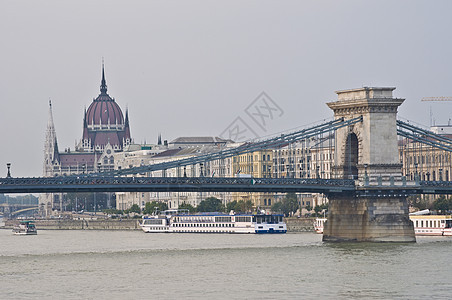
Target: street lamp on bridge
{"points": [[8, 174], [415, 172], [366, 178]]}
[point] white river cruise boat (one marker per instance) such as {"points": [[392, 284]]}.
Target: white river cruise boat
{"points": [[431, 224], [176, 222], [25, 228]]}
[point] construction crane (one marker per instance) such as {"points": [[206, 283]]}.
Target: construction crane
{"points": [[435, 99]]}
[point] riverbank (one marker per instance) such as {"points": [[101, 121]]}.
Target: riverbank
{"points": [[293, 224], [82, 224]]}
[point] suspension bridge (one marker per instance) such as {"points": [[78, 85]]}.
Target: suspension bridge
{"points": [[367, 190]]}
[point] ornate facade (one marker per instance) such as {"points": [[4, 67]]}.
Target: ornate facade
{"points": [[105, 131]]}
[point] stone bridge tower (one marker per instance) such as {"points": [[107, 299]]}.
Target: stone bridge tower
{"points": [[368, 150]]}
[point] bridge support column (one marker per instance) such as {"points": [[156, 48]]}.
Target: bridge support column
{"points": [[382, 219]]}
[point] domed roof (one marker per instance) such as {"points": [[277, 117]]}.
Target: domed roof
{"points": [[104, 110]]}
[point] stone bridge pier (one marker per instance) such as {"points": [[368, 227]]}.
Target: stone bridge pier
{"points": [[368, 150]]}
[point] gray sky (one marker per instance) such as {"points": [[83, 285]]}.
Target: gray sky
{"points": [[192, 67]]}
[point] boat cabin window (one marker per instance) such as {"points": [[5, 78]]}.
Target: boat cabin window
{"points": [[269, 219], [243, 219], [448, 224]]}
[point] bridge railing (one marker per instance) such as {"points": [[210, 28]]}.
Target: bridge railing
{"points": [[270, 143], [173, 180]]}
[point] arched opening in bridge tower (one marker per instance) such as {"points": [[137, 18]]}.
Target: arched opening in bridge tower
{"points": [[351, 157]]}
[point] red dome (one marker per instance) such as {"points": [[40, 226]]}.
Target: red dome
{"points": [[104, 123], [104, 110]]}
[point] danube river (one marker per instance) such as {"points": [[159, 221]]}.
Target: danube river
{"points": [[57, 264]]}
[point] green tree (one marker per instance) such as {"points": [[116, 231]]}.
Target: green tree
{"points": [[244, 206], [418, 202], [231, 206], [317, 210], [277, 207], [210, 204], [442, 204], [290, 203], [187, 206], [134, 209], [154, 206]]}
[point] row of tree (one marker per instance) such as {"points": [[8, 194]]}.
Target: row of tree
{"points": [[210, 204], [288, 206], [443, 204]]}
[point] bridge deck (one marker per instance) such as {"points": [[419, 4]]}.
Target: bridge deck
{"points": [[215, 184]]}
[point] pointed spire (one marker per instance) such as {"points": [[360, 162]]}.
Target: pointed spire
{"points": [[50, 145], [103, 83], [159, 141], [85, 125], [126, 122], [50, 120], [126, 126]]}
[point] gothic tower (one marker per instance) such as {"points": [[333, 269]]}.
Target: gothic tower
{"points": [[51, 158], [50, 146]]}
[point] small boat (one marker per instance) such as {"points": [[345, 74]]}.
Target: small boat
{"points": [[25, 228], [178, 222]]}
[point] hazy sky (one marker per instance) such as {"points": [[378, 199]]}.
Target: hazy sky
{"points": [[190, 68]]}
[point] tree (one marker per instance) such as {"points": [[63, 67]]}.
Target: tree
{"points": [[134, 209], [290, 203], [187, 206], [231, 206], [442, 204], [418, 202], [244, 206], [151, 207], [239, 206], [317, 210], [210, 204], [277, 207]]}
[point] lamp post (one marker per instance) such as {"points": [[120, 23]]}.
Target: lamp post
{"points": [[8, 174], [415, 172], [366, 178], [95, 202]]}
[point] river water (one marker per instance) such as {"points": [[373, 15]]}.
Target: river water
{"points": [[57, 264]]}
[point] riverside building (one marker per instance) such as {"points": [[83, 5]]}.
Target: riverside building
{"points": [[105, 132], [180, 148]]}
